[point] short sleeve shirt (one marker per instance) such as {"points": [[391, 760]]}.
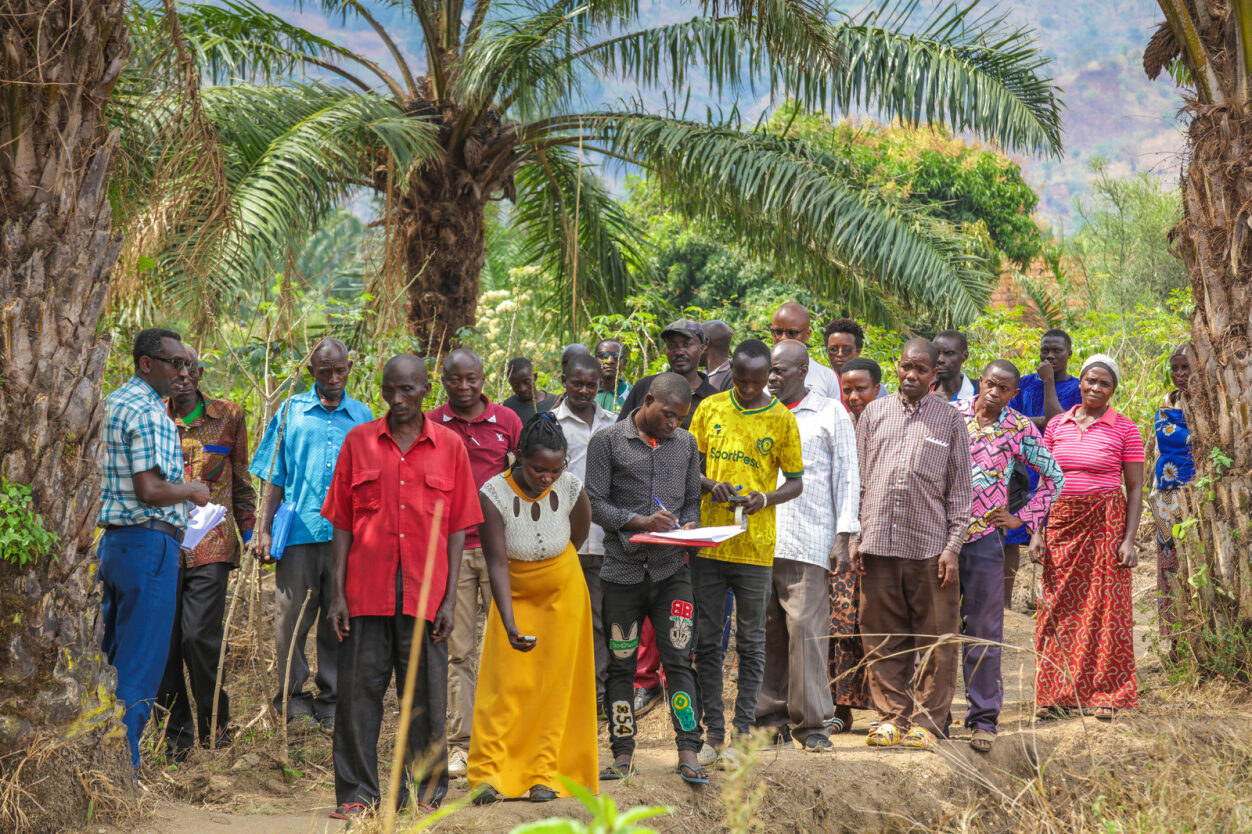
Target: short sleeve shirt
{"points": [[1092, 458], [387, 499], [312, 435], [138, 436], [488, 439], [747, 448]]}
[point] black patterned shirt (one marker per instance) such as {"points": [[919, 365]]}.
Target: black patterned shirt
{"points": [[626, 475]]}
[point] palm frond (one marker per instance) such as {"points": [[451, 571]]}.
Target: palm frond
{"points": [[294, 154], [570, 227], [799, 208], [963, 68]]}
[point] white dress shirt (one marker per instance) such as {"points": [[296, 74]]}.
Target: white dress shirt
{"points": [[577, 435], [830, 503]]}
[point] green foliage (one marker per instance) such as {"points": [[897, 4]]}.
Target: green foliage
{"points": [[961, 182], [605, 818], [1123, 247], [23, 539]]}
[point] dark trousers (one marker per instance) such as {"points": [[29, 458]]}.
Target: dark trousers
{"points": [[591, 573], [670, 606], [375, 648], [904, 612], [139, 579], [305, 569], [710, 579], [1012, 561], [196, 641], [982, 618]]}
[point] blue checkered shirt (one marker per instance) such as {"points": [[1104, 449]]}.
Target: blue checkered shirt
{"points": [[311, 438], [138, 435]]}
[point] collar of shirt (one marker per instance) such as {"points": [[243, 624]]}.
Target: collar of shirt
{"points": [[214, 409], [488, 414], [310, 400], [140, 387], [909, 408], [1109, 417], [720, 369], [380, 428], [599, 419]]}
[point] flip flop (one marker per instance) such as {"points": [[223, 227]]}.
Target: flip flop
{"points": [[692, 775], [1105, 713], [349, 810], [618, 770]]}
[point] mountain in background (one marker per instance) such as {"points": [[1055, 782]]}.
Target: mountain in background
{"points": [[1096, 46], [1112, 110]]}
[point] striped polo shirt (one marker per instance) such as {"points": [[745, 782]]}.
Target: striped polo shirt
{"points": [[1092, 458]]}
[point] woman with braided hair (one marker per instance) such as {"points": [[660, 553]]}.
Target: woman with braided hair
{"points": [[535, 707]]}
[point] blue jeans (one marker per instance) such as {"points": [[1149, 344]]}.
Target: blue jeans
{"points": [[139, 574]]}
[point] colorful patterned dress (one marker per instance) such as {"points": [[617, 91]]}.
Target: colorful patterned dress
{"points": [[1170, 500]]}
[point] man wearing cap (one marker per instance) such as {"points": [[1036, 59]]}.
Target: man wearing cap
{"points": [[685, 346]]}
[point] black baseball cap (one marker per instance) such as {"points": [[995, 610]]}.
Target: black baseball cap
{"points": [[684, 327]]}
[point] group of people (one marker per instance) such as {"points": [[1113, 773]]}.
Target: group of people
{"points": [[875, 526]]}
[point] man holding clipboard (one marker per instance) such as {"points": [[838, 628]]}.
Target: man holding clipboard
{"points": [[643, 476]]}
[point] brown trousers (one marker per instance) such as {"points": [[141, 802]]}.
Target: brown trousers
{"points": [[904, 613]]}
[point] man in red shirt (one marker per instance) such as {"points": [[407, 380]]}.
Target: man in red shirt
{"points": [[490, 432], [393, 476]]}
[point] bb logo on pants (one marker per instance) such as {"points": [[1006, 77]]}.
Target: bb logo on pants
{"points": [[622, 720], [680, 630], [683, 713]]}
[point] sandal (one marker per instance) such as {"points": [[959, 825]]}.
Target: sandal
{"points": [[487, 796], [1105, 713], [884, 735], [692, 775], [919, 738], [1052, 713], [618, 770], [350, 811], [982, 740], [541, 793]]}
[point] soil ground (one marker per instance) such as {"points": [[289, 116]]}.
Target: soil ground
{"points": [[247, 789]]}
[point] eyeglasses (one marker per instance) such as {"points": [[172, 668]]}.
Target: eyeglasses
{"points": [[606, 356], [778, 333], [178, 363], [840, 350]]}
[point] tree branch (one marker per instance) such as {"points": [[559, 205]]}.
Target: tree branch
{"points": [[391, 45]]}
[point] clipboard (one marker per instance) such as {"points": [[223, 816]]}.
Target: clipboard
{"points": [[699, 537]]}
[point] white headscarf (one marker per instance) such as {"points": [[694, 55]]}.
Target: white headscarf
{"points": [[1102, 359]]}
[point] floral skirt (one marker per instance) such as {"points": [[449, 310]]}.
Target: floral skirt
{"points": [[847, 673], [1084, 629]]}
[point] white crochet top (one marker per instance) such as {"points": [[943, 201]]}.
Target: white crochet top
{"points": [[534, 529]]}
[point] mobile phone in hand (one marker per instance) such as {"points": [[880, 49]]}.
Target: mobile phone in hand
{"points": [[529, 638]]}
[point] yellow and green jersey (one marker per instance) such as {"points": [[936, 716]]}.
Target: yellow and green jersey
{"points": [[747, 447]]}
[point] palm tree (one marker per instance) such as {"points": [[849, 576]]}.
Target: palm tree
{"points": [[493, 109], [1207, 47], [59, 722]]}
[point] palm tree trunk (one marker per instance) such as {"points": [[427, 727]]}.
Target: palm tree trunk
{"points": [[1215, 242], [61, 741], [442, 230]]}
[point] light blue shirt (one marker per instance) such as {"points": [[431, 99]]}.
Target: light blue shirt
{"points": [[311, 439]]}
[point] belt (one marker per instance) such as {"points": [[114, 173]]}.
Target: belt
{"points": [[152, 524]]}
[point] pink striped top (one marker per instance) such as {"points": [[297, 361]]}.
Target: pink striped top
{"points": [[1092, 458]]}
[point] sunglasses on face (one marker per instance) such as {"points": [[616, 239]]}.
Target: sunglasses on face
{"points": [[778, 332], [177, 363]]}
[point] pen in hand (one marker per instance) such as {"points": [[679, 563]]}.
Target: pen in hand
{"points": [[664, 509]]}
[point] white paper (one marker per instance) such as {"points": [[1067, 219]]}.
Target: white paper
{"points": [[702, 534], [199, 522]]}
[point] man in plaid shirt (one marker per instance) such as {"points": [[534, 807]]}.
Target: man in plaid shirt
{"points": [[214, 440], [143, 513]]}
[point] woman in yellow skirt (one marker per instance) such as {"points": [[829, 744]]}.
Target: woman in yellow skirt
{"points": [[535, 706]]}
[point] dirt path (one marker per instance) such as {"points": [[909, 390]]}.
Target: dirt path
{"points": [[243, 791]]}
